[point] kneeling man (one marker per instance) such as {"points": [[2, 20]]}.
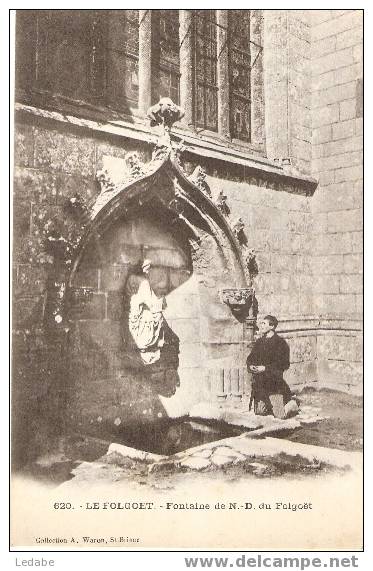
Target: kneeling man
{"points": [[268, 360]]}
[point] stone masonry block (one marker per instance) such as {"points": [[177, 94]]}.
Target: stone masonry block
{"points": [[114, 305], [179, 305], [348, 73], [359, 300], [62, 152], [327, 264], [113, 277], [333, 61], [339, 304], [300, 374], [359, 126], [351, 283], [35, 185], [187, 330], [23, 146], [325, 80], [264, 284], [306, 283], [284, 263], [326, 115], [339, 243], [324, 46], [27, 311], [338, 347], [347, 109], [356, 242], [301, 149], [30, 280], [304, 264], [334, 94], [334, 197], [344, 146], [326, 177], [353, 263], [343, 129], [350, 37], [221, 330], [86, 277], [190, 355], [340, 375], [358, 53], [345, 220], [348, 174], [322, 134], [338, 25], [100, 333], [326, 284], [302, 349], [93, 309], [337, 161], [264, 262]]}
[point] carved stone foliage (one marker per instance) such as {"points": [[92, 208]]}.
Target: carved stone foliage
{"points": [[221, 203], [241, 301], [198, 177]]}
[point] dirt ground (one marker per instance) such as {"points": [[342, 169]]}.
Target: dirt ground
{"points": [[340, 427], [344, 427]]}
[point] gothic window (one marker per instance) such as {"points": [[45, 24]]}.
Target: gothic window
{"points": [[165, 53], [239, 73], [91, 57], [206, 88], [63, 52], [25, 48], [122, 57]]}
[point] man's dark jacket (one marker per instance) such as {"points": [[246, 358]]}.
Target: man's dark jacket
{"points": [[272, 352]]}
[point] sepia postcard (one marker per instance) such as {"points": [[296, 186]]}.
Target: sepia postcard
{"points": [[187, 254]]}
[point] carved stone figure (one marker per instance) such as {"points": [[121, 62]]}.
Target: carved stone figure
{"points": [[146, 320]]}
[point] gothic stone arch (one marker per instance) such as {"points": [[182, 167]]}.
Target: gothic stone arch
{"points": [[106, 392]]}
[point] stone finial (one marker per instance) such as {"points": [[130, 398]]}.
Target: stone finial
{"points": [[165, 113], [198, 177]]}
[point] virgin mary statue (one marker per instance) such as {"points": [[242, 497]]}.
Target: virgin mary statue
{"points": [[146, 320]]}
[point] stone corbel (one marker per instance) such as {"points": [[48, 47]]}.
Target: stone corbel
{"points": [[241, 301]]}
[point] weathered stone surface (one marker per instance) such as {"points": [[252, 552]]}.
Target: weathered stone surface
{"points": [[302, 349], [23, 145], [62, 152], [195, 463], [219, 460]]}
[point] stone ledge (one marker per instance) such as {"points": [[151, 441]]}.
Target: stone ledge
{"points": [[196, 145]]}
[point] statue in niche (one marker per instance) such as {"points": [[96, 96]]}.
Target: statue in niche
{"points": [[150, 347], [146, 322]]}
